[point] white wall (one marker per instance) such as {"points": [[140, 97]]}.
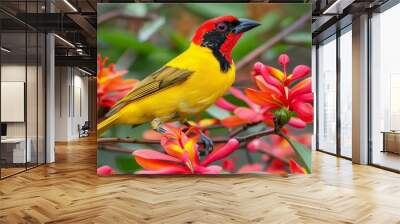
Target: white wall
{"points": [[33, 126], [16, 73], [71, 102]]}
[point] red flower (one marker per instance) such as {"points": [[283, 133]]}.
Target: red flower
{"points": [[279, 148], [296, 168], [229, 164], [181, 155], [276, 167], [110, 85], [202, 124], [105, 170], [243, 115], [250, 168], [279, 91]]}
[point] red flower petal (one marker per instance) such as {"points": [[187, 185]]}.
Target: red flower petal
{"points": [[261, 98], [304, 111], [307, 98], [250, 168], [229, 164], [222, 103], [283, 59], [304, 86], [276, 83], [208, 170], [296, 168], [240, 95], [232, 121], [299, 72], [278, 74], [297, 122], [266, 87], [222, 152], [260, 69], [105, 170], [152, 135], [258, 144], [154, 160], [277, 167], [170, 170], [248, 115]]}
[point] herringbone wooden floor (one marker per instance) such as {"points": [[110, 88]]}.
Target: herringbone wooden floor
{"points": [[70, 192]]}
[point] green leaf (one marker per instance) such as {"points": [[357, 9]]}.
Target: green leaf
{"points": [[302, 152], [214, 10], [218, 113], [274, 52], [179, 41], [124, 40], [150, 28], [127, 164], [137, 9], [299, 37]]}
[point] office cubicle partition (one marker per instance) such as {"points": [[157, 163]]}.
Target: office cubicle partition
{"points": [[22, 95]]}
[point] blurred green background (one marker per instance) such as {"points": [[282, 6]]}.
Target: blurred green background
{"points": [[141, 37]]}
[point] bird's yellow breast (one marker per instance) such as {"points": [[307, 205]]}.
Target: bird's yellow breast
{"points": [[197, 93]]}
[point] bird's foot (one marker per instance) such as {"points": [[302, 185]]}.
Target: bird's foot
{"points": [[208, 143], [156, 125]]}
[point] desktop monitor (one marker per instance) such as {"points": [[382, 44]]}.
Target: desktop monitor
{"points": [[3, 129]]}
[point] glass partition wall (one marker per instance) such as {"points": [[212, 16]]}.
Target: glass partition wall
{"points": [[345, 93], [385, 90], [334, 94], [22, 77], [327, 96]]}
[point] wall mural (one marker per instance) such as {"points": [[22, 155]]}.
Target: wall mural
{"points": [[196, 88]]}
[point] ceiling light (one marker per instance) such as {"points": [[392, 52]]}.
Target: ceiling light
{"points": [[65, 41], [337, 7], [70, 5], [5, 50], [333, 6], [84, 71]]}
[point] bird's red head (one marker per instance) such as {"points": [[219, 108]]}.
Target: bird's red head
{"points": [[221, 35]]}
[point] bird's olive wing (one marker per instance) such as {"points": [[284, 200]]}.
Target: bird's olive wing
{"points": [[161, 79]]}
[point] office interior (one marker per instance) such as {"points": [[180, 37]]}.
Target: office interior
{"points": [[48, 69], [357, 82]]}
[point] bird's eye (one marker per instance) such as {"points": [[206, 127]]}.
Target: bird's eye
{"points": [[222, 26]]}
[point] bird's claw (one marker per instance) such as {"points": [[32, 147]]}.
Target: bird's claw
{"points": [[208, 143], [156, 125]]}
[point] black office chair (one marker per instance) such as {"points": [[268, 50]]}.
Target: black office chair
{"points": [[84, 130]]}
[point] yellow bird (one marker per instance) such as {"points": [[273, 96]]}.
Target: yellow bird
{"points": [[189, 83]]}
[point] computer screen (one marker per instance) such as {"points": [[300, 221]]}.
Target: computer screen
{"points": [[3, 129]]}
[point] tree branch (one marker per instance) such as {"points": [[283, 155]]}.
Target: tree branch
{"points": [[281, 35], [150, 142], [247, 138], [143, 141]]}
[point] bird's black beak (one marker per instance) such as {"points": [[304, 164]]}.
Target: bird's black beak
{"points": [[245, 25]]}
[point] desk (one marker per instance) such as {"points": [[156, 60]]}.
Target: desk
{"points": [[391, 141], [17, 150]]}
